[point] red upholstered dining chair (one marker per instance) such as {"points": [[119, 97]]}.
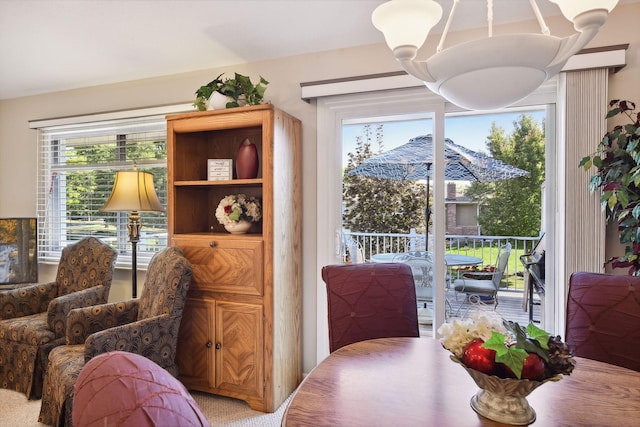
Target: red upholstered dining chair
{"points": [[370, 300], [603, 318]]}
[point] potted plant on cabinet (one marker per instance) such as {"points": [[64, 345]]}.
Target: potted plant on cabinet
{"points": [[236, 91], [617, 161]]}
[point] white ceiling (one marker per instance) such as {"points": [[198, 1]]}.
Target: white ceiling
{"points": [[53, 45]]}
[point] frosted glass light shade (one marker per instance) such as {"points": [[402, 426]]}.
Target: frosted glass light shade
{"points": [[406, 22], [487, 73], [572, 8], [471, 75], [133, 190]]}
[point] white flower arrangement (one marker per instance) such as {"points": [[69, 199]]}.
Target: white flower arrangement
{"points": [[237, 207], [460, 332]]}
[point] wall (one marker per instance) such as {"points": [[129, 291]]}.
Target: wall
{"points": [[18, 150]]}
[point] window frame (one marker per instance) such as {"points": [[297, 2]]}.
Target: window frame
{"points": [[51, 132]]}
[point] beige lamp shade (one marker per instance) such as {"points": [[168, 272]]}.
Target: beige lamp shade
{"points": [[133, 190]]}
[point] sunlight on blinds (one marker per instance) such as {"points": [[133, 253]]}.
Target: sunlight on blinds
{"points": [[76, 170]]}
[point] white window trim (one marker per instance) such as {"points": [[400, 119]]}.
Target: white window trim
{"points": [[109, 119]]}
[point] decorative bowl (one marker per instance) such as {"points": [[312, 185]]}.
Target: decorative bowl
{"points": [[503, 399]]}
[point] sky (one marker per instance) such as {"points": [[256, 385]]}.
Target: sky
{"points": [[468, 131]]}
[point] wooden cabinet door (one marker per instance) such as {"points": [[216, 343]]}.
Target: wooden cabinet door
{"points": [[239, 344], [224, 265], [195, 355]]}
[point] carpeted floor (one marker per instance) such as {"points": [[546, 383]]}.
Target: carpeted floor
{"points": [[17, 411]]}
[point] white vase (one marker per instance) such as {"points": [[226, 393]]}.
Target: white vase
{"points": [[240, 227], [217, 101]]}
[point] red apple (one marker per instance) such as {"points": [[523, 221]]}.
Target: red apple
{"points": [[533, 368], [479, 358]]}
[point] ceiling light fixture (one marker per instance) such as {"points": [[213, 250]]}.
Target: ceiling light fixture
{"points": [[492, 72]]}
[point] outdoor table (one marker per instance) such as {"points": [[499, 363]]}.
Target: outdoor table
{"points": [[452, 260], [413, 382]]}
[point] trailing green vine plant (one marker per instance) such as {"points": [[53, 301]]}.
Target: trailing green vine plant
{"points": [[617, 161]]}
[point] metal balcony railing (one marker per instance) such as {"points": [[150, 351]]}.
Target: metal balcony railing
{"points": [[485, 247]]}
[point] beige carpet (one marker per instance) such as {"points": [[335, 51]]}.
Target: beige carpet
{"points": [[17, 411]]}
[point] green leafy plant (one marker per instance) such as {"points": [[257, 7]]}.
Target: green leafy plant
{"points": [[240, 90], [617, 163], [204, 92]]}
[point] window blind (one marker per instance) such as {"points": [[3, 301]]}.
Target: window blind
{"points": [[76, 171]]}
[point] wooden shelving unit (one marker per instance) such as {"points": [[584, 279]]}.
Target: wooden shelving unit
{"points": [[240, 335]]}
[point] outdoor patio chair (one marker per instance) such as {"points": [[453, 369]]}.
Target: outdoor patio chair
{"points": [[367, 301], [147, 326], [356, 251], [483, 287], [33, 318], [603, 318]]}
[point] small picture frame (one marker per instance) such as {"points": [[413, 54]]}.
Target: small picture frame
{"points": [[219, 169]]}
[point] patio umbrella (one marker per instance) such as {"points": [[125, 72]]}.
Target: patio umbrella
{"points": [[413, 160]]}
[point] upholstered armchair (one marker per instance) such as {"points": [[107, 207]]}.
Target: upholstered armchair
{"points": [[33, 317], [147, 326]]}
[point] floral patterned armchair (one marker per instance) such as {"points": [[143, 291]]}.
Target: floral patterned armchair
{"points": [[33, 317], [147, 326]]}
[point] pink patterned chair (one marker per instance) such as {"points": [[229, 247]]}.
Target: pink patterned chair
{"points": [[125, 389], [33, 317], [603, 318], [368, 301]]}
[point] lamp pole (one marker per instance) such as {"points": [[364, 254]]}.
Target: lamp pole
{"points": [[133, 227]]}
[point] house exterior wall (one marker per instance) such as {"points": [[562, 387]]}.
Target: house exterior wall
{"points": [[18, 147]]}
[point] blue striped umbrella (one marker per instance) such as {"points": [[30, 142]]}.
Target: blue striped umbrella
{"points": [[412, 161]]}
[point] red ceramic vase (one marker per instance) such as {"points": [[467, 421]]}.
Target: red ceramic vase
{"points": [[247, 160]]}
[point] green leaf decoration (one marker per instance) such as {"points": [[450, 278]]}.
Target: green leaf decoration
{"points": [[496, 343], [538, 334], [235, 214], [514, 359]]}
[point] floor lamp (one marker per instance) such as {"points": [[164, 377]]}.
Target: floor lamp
{"points": [[133, 192]]}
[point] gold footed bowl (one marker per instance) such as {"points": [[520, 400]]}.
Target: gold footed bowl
{"points": [[503, 399]]}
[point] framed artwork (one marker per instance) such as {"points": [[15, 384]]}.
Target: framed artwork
{"points": [[18, 250]]}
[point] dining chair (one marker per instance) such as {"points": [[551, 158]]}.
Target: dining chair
{"points": [[147, 326], [371, 300], [33, 317], [119, 388], [603, 318], [483, 287]]}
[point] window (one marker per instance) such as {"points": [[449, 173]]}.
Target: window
{"points": [[77, 165]]}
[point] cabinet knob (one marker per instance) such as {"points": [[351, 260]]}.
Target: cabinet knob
{"points": [[218, 346], [212, 244], [208, 344]]}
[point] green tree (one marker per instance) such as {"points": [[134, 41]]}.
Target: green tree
{"points": [[513, 207], [379, 205]]}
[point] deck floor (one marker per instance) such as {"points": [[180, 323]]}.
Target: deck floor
{"points": [[510, 307]]}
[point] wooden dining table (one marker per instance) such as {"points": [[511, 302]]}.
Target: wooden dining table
{"points": [[413, 382]]}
